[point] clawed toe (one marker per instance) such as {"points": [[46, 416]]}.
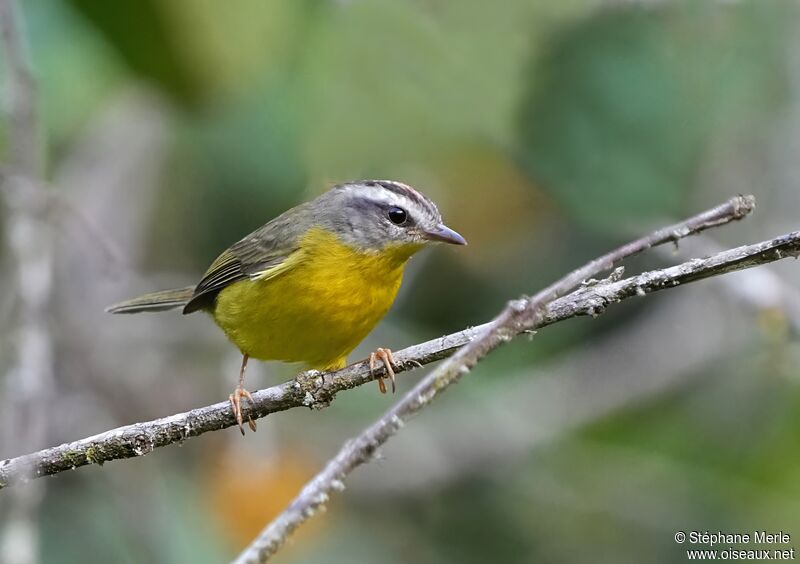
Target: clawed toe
{"points": [[385, 355], [236, 399], [236, 404]]}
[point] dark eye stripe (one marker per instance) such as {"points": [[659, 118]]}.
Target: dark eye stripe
{"points": [[407, 192], [417, 203]]}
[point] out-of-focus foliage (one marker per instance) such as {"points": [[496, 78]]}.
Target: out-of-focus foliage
{"points": [[627, 103], [546, 131]]}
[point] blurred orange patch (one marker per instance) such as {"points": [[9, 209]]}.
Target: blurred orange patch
{"points": [[245, 492]]}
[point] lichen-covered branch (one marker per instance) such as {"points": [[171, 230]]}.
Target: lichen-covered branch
{"points": [[317, 390], [519, 316], [311, 389]]}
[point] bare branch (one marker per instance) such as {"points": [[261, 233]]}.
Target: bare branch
{"points": [[517, 317], [760, 290], [533, 404], [314, 389]]}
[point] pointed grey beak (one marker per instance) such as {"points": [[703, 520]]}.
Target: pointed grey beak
{"points": [[444, 234]]}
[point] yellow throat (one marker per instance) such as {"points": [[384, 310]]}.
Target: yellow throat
{"points": [[317, 306]]}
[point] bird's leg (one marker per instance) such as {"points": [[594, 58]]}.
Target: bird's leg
{"points": [[385, 355], [236, 398]]}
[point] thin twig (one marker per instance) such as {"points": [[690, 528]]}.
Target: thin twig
{"points": [[517, 317], [533, 404], [310, 389], [761, 290], [30, 245]]}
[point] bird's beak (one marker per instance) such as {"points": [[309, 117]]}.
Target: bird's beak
{"points": [[444, 234]]}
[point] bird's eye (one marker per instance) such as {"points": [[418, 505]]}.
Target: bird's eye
{"points": [[398, 216]]}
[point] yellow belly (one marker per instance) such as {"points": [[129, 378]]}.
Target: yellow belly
{"points": [[318, 309]]}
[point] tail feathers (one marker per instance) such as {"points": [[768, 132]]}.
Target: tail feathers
{"points": [[156, 301]]}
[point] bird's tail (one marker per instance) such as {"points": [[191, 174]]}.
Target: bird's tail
{"points": [[155, 301]]}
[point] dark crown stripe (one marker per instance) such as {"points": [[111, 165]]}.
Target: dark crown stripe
{"points": [[406, 191]]}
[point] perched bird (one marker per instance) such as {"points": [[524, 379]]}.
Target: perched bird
{"points": [[309, 285]]}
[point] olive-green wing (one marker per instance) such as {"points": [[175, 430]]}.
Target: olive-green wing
{"points": [[260, 254]]}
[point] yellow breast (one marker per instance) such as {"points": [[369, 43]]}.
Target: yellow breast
{"points": [[325, 298]]}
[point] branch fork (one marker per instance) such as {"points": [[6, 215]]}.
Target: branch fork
{"points": [[576, 294]]}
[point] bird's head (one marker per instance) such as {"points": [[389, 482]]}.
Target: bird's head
{"points": [[375, 214]]}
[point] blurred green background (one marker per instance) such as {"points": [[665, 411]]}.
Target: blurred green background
{"points": [[547, 131]]}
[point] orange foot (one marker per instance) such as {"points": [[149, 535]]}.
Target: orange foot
{"points": [[385, 355], [236, 404], [236, 399]]}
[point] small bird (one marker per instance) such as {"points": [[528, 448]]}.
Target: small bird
{"points": [[308, 286]]}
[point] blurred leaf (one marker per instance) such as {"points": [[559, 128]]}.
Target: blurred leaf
{"points": [[396, 82], [199, 51], [72, 87], [241, 165], [234, 50], [144, 37], [623, 105]]}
